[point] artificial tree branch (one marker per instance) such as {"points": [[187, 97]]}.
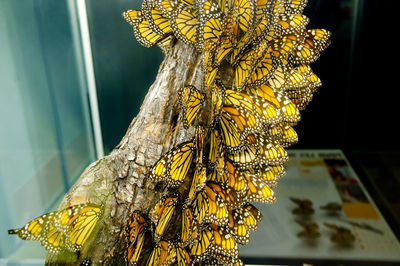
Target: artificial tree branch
{"points": [[119, 181]]}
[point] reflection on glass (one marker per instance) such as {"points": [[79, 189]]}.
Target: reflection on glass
{"points": [[46, 137]]}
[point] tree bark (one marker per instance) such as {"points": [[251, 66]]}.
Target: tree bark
{"points": [[119, 180]]}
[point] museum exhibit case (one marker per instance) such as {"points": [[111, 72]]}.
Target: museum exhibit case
{"points": [[73, 78]]}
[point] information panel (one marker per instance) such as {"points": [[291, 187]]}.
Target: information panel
{"points": [[322, 212]]}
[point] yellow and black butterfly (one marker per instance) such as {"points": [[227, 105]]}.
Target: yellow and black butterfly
{"points": [[156, 19], [245, 158], [295, 6], [244, 68], [198, 181], [269, 174], [229, 195], [163, 212], [271, 152], [243, 112], [137, 232], [241, 221], [200, 247], [141, 28], [258, 190], [263, 70], [187, 224], [254, 212], [167, 7], [244, 14], [174, 165], [282, 47], [210, 22], [192, 100], [184, 23], [290, 23], [209, 206], [275, 105], [67, 229], [182, 255], [309, 49], [164, 253], [224, 243], [287, 6]]}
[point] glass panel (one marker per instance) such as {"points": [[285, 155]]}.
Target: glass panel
{"points": [[124, 69], [45, 138]]}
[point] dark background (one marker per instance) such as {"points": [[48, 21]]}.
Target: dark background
{"points": [[355, 109]]}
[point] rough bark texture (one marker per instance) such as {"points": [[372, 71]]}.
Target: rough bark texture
{"points": [[119, 181]]}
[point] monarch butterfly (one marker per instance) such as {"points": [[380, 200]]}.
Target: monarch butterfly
{"points": [[244, 13], [295, 6], [308, 51], [263, 70], [249, 216], [210, 22], [174, 165], [184, 24], [163, 212], [258, 190], [217, 208], [241, 222], [244, 68], [192, 100], [214, 147], [283, 46], [187, 224], [262, 31], [245, 158], [224, 44], [278, 79], [141, 28], [136, 224], [67, 229], [276, 100], [288, 6], [167, 7], [135, 248], [271, 152], [242, 112], [198, 181], [162, 254], [182, 255], [231, 136], [254, 212], [200, 247], [224, 243], [269, 174], [156, 19], [297, 77], [136, 229], [209, 206], [290, 23]]}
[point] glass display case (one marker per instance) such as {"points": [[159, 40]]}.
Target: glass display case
{"points": [[72, 77]]}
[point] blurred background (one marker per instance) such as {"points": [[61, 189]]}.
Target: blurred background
{"points": [[72, 77]]}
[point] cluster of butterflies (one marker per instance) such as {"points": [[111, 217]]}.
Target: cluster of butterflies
{"points": [[256, 58]]}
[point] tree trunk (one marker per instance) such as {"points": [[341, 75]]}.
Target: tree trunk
{"points": [[119, 181]]}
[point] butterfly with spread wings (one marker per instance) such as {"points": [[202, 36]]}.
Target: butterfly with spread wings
{"points": [[67, 229]]}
